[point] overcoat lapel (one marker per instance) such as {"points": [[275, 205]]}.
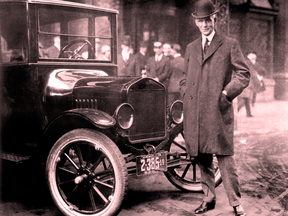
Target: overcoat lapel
{"points": [[198, 48], [215, 44]]}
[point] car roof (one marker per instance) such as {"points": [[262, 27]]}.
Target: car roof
{"points": [[64, 3]]}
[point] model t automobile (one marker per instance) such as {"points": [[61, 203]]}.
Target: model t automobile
{"points": [[64, 107]]}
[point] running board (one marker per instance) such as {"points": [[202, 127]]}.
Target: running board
{"points": [[17, 158]]}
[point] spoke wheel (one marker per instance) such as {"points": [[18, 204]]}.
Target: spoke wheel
{"points": [[185, 177], [86, 174]]}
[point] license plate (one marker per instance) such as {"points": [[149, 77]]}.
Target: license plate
{"points": [[151, 163]]}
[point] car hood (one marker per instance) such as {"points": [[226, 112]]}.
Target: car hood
{"points": [[63, 81]]}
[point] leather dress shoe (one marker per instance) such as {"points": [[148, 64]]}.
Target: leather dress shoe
{"points": [[205, 206], [239, 211]]}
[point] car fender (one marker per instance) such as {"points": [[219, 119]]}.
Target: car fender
{"points": [[71, 120]]}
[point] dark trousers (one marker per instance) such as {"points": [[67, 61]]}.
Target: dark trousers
{"points": [[228, 173], [242, 101], [254, 98]]}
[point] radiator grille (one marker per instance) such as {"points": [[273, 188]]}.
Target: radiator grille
{"points": [[149, 118]]}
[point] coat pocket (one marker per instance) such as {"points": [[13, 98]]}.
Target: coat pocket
{"points": [[224, 103], [226, 109]]}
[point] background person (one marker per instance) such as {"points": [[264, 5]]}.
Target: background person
{"points": [[167, 50], [141, 58], [54, 50], [245, 98], [176, 71], [105, 53], [215, 73], [261, 72], [126, 62], [158, 65]]}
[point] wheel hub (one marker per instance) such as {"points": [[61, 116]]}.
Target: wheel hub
{"points": [[84, 174]]}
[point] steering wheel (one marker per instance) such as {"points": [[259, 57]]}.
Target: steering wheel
{"points": [[66, 53]]}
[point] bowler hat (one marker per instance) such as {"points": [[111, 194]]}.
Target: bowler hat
{"points": [[204, 8], [176, 47], [126, 40], [143, 44]]}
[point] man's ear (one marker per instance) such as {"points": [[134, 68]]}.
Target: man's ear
{"points": [[214, 17]]}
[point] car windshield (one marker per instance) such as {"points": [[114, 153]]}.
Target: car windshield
{"points": [[67, 33]]}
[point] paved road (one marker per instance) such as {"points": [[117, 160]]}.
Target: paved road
{"points": [[262, 169]]}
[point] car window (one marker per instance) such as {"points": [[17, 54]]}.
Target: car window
{"points": [[13, 32], [74, 34]]}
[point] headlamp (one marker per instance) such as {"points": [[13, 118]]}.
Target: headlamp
{"points": [[124, 115]]}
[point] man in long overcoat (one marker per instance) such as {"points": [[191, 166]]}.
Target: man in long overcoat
{"points": [[214, 74]]}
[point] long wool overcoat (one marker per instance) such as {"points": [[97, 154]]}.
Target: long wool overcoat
{"points": [[208, 113]]}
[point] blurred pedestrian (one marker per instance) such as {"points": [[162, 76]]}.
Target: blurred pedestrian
{"points": [[54, 50], [245, 98], [126, 62], [141, 58], [176, 71], [105, 53], [214, 74], [158, 65], [167, 50], [261, 73]]}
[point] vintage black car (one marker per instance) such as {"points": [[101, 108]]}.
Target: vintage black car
{"points": [[64, 108]]}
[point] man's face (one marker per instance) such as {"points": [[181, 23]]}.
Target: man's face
{"points": [[166, 49], [206, 25], [125, 48], [157, 49]]}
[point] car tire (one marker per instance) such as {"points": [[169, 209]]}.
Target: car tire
{"points": [[86, 174], [185, 177]]}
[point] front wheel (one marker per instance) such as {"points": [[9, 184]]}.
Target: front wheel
{"points": [[86, 174], [185, 177]]}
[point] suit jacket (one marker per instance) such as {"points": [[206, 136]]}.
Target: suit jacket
{"points": [[126, 68], [176, 71], [208, 113], [159, 69], [140, 62]]}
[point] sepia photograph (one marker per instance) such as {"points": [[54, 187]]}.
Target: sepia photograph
{"points": [[143, 107]]}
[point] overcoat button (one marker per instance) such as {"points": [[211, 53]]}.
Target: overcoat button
{"points": [[193, 83], [191, 97]]}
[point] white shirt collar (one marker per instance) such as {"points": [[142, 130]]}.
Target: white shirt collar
{"points": [[209, 37], [177, 55], [158, 57], [125, 55], [142, 52]]}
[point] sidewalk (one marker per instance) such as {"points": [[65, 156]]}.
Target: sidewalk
{"points": [[267, 117]]}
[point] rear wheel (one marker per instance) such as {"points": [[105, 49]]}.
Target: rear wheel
{"points": [[185, 177], [86, 174]]}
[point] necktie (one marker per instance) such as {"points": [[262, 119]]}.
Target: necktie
{"points": [[206, 45]]}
